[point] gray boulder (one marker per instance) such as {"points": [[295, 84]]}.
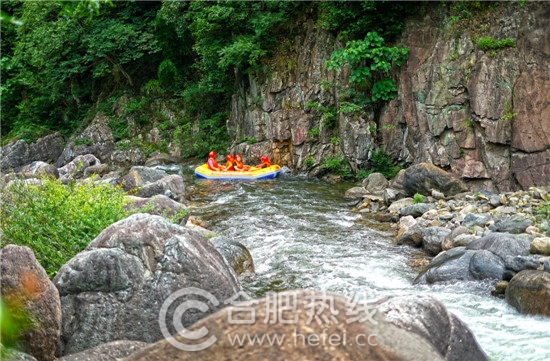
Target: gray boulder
{"points": [[111, 351], [375, 182], [423, 177], [38, 169], [171, 186], [519, 263], [116, 287], [515, 225], [160, 205], [76, 167], [416, 210], [305, 337], [235, 253], [32, 300], [481, 259], [432, 238], [428, 318], [19, 153]]}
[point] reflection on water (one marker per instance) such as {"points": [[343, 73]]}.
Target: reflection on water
{"points": [[301, 235]]}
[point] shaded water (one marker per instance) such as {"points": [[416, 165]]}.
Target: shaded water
{"points": [[301, 234]]}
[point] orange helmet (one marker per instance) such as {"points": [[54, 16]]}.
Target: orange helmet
{"points": [[212, 154], [229, 157], [265, 159]]}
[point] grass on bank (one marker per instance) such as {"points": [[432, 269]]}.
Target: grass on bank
{"points": [[58, 221]]}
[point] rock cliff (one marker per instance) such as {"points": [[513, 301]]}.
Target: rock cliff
{"points": [[481, 112]]}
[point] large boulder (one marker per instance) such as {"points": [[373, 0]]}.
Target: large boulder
{"points": [[111, 351], [139, 176], [96, 139], [38, 169], [529, 292], [116, 288], [235, 253], [31, 300], [483, 258], [375, 182], [427, 317], [423, 177], [160, 205], [19, 153], [315, 325], [432, 238], [76, 167]]}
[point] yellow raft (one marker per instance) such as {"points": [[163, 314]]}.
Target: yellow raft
{"points": [[265, 173]]}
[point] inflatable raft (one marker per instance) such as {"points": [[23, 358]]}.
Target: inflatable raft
{"points": [[265, 173]]}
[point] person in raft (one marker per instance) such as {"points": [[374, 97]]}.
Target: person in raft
{"points": [[230, 165], [264, 164], [212, 164], [239, 165]]}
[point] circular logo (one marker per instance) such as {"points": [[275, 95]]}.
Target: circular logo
{"points": [[176, 319]]}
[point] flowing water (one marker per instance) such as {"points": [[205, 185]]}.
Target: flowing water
{"points": [[302, 235]]}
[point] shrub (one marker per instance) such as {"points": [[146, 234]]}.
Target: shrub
{"points": [[418, 198], [544, 209], [381, 163], [488, 43], [58, 221], [336, 165]]}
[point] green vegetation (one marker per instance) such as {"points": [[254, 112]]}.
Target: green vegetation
{"points": [[309, 162], [366, 58], [336, 165], [418, 198], [510, 114], [381, 163], [488, 43], [58, 221], [543, 209]]}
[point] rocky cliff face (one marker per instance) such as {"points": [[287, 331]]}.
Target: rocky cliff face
{"points": [[483, 114]]}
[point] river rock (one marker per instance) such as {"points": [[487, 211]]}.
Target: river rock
{"points": [[416, 210], [235, 253], [432, 237], [159, 205], [515, 225], [481, 259], [427, 317], [171, 186], [355, 193], [391, 195], [307, 336], [161, 159], [474, 219], [519, 263], [375, 182], [449, 240], [423, 177], [397, 205], [111, 351], [97, 169], [412, 236], [115, 288], [529, 292], [540, 245], [547, 265], [32, 300]]}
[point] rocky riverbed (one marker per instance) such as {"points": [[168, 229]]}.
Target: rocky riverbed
{"points": [[467, 235]]}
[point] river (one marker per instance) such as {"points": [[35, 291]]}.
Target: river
{"points": [[302, 235]]}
